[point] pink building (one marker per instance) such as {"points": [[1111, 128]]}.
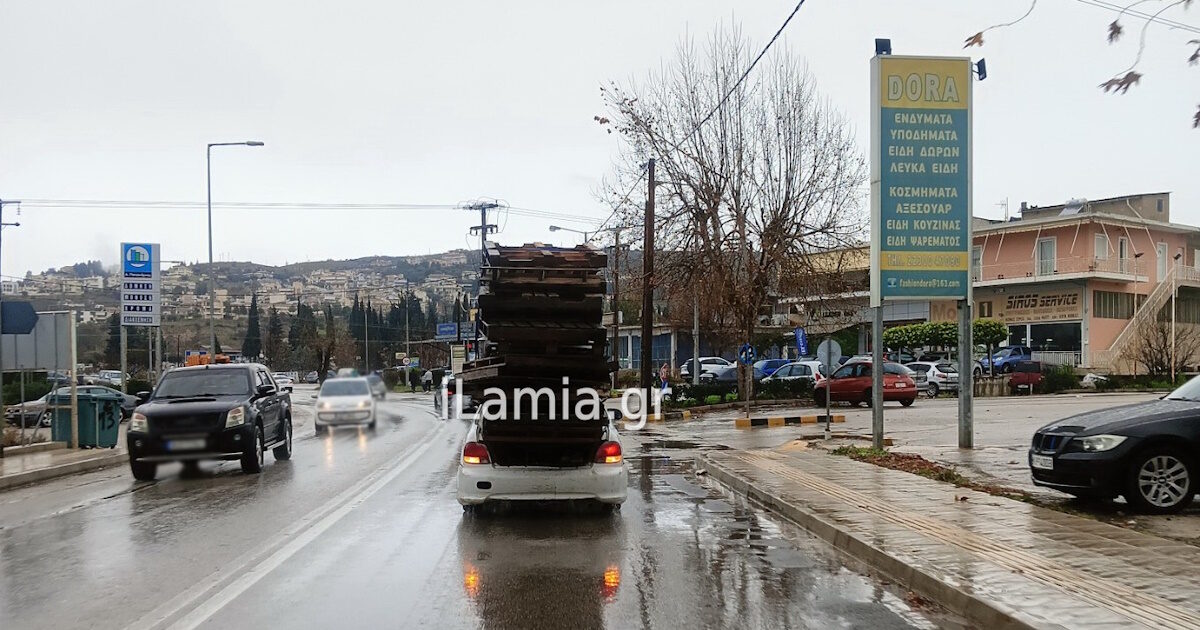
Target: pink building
{"points": [[1076, 281]]}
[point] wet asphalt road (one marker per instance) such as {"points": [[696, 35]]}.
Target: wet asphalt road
{"points": [[361, 530]]}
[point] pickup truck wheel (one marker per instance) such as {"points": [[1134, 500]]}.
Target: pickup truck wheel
{"points": [[283, 452], [143, 471], [252, 460]]}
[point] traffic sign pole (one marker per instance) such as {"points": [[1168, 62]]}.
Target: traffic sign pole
{"points": [[877, 378]]}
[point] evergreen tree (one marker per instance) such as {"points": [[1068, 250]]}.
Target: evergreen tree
{"points": [[275, 346], [112, 346], [252, 345], [293, 337]]}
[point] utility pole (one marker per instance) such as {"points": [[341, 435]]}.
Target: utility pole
{"points": [[2, 226], [695, 337], [484, 228], [366, 340], [648, 284], [407, 337], [616, 279]]}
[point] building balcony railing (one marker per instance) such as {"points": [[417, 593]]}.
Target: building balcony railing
{"points": [[1036, 269], [1058, 357]]}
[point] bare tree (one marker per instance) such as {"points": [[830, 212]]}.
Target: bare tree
{"points": [[1151, 349], [755, 173]]}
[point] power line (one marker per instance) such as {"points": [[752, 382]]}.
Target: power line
{"points": [[1115, 8], [742, 78], [68, 204]]}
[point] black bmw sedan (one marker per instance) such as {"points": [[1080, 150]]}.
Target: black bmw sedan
{"points": [[1148, 452]]}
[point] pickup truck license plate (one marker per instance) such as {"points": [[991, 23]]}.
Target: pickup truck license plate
{"points": [[186, 445], [1043, 462]]}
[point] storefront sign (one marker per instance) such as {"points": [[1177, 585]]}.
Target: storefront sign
{"points": [[921, 178]]}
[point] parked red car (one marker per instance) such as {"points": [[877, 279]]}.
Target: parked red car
{"points": [[852, 383], [1025, 378]]}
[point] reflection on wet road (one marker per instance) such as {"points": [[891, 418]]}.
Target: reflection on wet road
{"points": [[362, 530]]}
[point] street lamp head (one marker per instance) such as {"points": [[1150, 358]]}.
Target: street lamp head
{"points": [[554, 228], [254, 143]]}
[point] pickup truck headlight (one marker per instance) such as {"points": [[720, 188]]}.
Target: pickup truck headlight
{"points": [[138, 423], [235, 418], [363, 404], [1098, 443]]}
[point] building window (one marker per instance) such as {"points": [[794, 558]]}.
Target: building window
{"points": [[1045, 256], [1112, 305], [1160, 205], [1123, 254], [985, 308], [1101, 247], [976, 262], [1161, 251]]}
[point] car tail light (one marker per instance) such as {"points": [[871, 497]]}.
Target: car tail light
{"points": [[608, 453], [475, 453]]}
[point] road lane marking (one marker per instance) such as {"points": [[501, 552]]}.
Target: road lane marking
{"points": [[237, 578]]}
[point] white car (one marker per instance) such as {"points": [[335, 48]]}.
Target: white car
{"points": [[796, 371], [934, 377], [707, 364], [345, 402], [595, 471]]}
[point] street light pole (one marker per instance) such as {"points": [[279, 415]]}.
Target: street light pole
{"points": [[212, 276], [2, 226]]}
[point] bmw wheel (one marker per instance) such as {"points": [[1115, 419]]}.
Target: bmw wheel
{"points": [[1160, 481]]}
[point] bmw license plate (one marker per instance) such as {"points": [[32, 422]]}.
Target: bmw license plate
{"points": [[186, 445], [1042, 462]]}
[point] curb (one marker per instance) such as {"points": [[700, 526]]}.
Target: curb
{"points": [[670, 415], [36, 447], [783, 421], [958, 599], [61, 470]]}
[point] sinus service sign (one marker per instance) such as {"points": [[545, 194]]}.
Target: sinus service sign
{"points": [[141, 284], [920, 178]]}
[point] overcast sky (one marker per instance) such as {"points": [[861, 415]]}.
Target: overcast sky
{"points": [[440, 102]]}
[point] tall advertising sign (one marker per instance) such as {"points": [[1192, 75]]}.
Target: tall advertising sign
{"points": [[920, 178], [141, 284]]}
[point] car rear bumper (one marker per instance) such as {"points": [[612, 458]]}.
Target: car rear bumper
{"points": [[607, 483]]}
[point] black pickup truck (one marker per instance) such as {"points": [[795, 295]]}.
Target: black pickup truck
{"points": [[230, 412]]}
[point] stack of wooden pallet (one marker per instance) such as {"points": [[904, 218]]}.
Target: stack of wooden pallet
{"points": [[540, 310]]}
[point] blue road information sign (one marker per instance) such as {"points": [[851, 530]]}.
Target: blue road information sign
{"points": [[447, 331], [801, 341], [141, 284], [18, 318], [746, 354], [921, 178]]}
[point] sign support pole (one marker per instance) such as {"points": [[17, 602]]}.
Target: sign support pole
{"points": [[828, 367], [124, 359], [877, 377], [966, 385]]}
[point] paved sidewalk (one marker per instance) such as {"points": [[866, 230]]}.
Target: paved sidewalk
{"points": [[998, 562], [18, 469]]}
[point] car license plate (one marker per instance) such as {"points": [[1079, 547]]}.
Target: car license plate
{"points": [[1043, 462], [186, 445], [899, 385]]}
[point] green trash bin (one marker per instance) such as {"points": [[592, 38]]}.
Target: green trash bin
{"points": [[99, 419]]}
